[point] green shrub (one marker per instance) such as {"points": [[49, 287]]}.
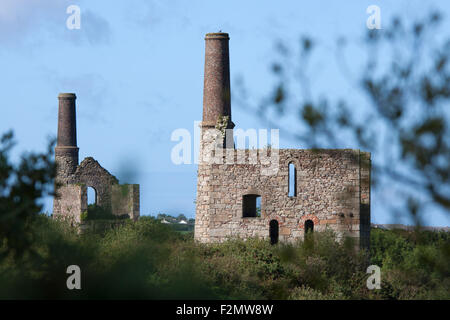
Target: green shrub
{"points": [[149, 260], [96, 212]]}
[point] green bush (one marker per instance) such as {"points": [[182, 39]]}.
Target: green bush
{"points": [[149, 260], [96, 212], [415, 264]]}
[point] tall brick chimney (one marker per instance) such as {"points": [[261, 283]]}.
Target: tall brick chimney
{"points": [[216, 90], [66, 150]]}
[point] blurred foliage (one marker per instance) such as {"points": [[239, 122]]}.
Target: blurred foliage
{"points": [[413, 264], [149, 260], [400, 109], [22, 185]]}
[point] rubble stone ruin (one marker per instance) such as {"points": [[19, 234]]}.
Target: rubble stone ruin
{"points": [[73, 179], [275, 194]]}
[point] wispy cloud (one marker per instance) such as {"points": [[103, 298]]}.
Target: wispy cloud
{"points": [[31, 21], [94, 30], [21, 19]]}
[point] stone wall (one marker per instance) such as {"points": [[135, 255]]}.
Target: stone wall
{"points": [[333, 188], [66, 160], [69, 202], [125, 200], [93, 175], [110, 195]]}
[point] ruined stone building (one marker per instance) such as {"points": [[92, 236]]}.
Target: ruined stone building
{"points": [[276, 194], [73, 179]]}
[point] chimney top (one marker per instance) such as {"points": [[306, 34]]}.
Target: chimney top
{"points": [[217, 35], [67, 96]]}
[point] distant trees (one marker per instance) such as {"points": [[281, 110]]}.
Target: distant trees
{"points": [[172, 219]]}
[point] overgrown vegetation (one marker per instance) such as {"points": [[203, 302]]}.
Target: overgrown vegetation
{"points": [[149, 260], [96, 212]]}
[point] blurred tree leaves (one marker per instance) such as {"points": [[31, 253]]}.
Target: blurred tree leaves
{"points": [[404, 122], [22, 185]]}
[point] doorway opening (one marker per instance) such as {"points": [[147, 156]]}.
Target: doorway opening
{"points": [[273, 231], [309, 229]]}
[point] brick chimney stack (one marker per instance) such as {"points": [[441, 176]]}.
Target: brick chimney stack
{"points": [[66, 150], [216, 90]]}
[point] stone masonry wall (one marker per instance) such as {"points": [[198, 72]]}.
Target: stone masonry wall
{"points": [[69, 202], [66, 160], [332, 190], [125, 200], [72, 192], [92, 174]]}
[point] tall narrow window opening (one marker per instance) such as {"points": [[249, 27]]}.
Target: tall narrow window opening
{"points": [[292, 183], [91, 196]]}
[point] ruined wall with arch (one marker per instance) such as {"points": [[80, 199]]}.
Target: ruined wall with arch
{"points": [[71, 197], [92, 174]]}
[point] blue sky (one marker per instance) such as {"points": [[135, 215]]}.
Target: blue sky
{"points": [[137, 69]]}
